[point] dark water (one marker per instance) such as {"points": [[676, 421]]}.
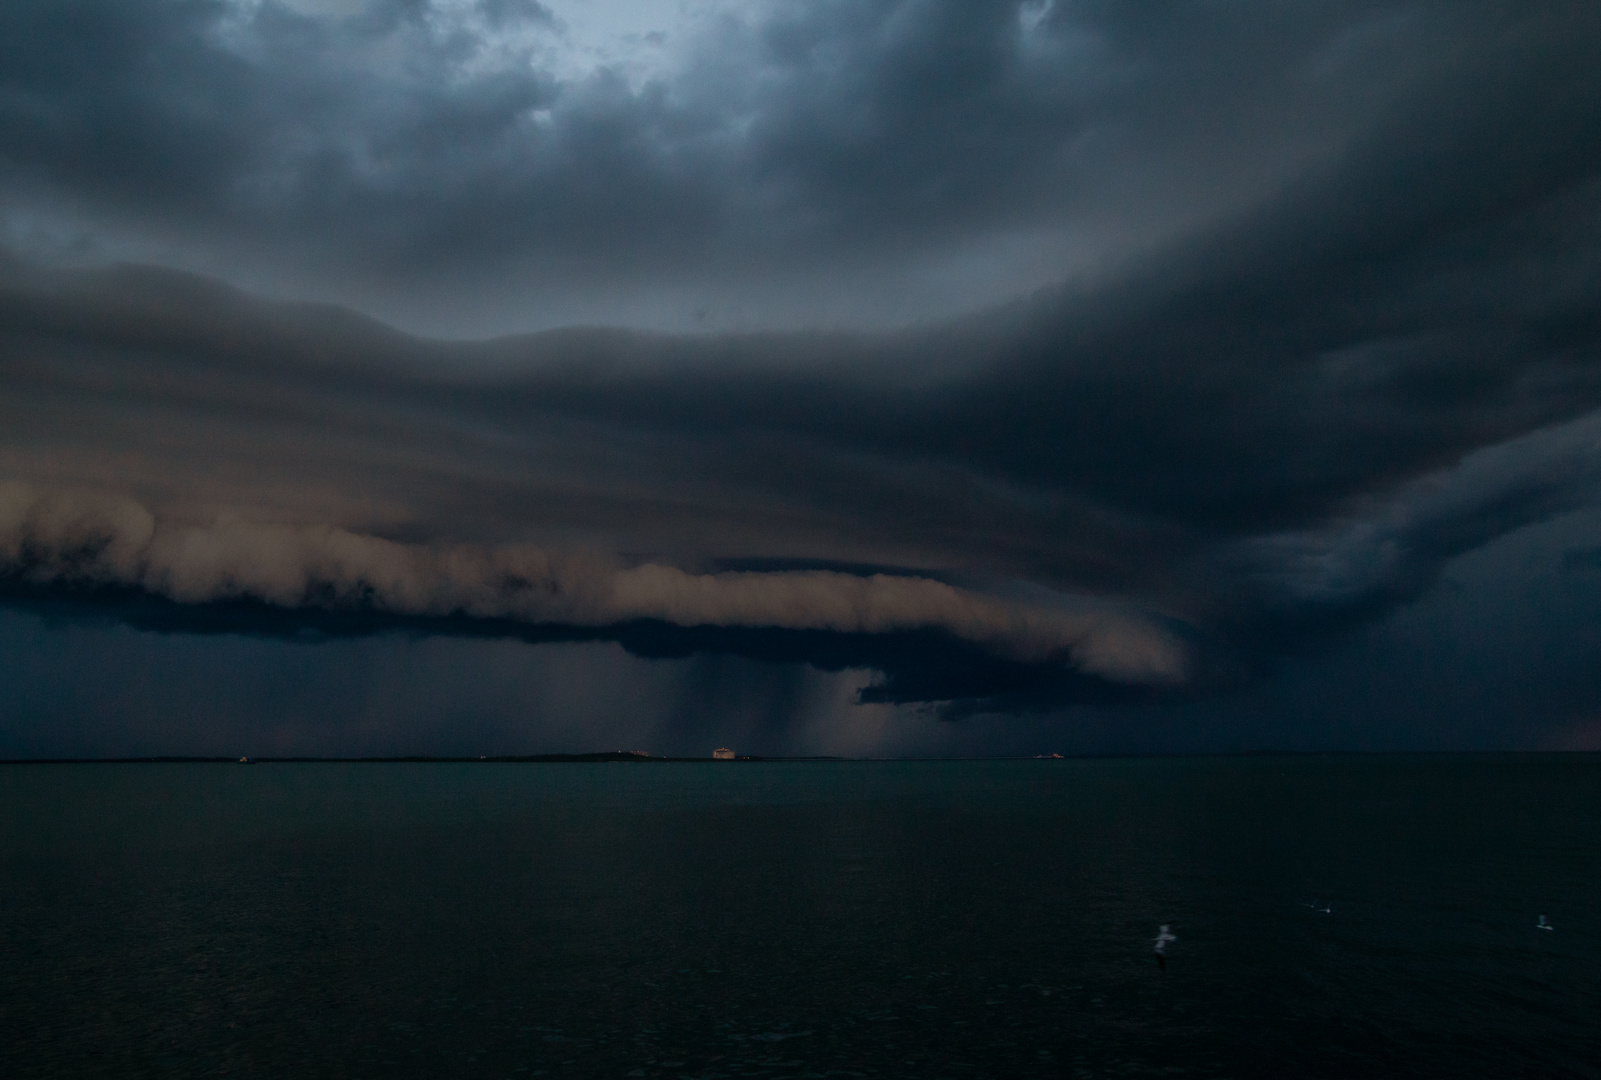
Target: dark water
{"points": [[788, 920]]}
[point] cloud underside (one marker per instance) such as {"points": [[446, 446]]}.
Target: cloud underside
{"points": [[930, 669], [1286, 334], [837, 163], [934, 641]]}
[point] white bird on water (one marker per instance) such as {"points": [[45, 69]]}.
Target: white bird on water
{"points": [[1163, 936], [1543, 925]]}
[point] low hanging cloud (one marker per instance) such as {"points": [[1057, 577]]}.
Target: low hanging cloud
{"points": [[1349, 569], [86, 540]]}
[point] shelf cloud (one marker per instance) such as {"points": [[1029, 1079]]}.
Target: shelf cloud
{"points": [[75, 539]]}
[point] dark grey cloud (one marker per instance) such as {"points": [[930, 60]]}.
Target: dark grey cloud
{"points": [[834, 163], [1303, 309], [1582, 559]]}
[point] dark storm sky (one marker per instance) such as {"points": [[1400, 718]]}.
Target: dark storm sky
{"points": [[867, 378]]}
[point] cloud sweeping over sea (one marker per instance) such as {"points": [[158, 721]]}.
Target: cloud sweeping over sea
{"points": [[887, 377]]}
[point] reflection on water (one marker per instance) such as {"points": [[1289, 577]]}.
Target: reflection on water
{"points": [[1334, 917]]}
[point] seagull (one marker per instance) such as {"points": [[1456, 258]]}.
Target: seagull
{"points": [[1162, 938], [1543, 925]]}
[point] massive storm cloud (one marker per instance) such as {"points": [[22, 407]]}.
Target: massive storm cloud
{"points": [[1028, 356]]}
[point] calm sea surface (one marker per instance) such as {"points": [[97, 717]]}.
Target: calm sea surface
{"points": [[1336, 917]]}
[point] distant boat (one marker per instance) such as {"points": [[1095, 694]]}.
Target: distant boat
{"points": [[1543, 925], [722, 753]]}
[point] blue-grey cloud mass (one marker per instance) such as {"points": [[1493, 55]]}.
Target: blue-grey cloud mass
{"points": [[889, 377]]}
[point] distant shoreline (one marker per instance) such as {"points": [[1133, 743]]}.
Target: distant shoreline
{"points": [[605, 757], [500, 759]]}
